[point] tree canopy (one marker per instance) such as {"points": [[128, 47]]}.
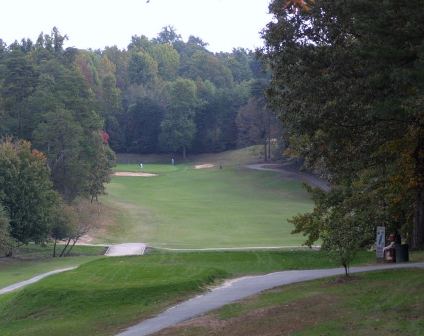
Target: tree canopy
{"points": [[347, 82]]}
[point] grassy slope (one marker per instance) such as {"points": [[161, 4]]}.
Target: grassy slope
{"points": [[184, 207], [105, 295], [32, 260], [378, 303]]}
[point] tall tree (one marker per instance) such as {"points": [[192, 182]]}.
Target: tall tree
{"points": [[26, 191], [142, 69], [347, 83], [19, 79], [177, 127], [6, 242]]}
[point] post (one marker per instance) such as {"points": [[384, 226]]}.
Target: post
{"points": [[380, 242]]}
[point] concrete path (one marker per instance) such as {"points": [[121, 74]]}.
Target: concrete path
{"points": [[126, 249], [37, 278], [290, 172], [237, 289], [247, 248]]}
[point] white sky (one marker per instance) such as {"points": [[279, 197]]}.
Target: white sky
{"points": [[224, 24]]}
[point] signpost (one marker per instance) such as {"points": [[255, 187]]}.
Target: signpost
{"points": [[380, 241]]}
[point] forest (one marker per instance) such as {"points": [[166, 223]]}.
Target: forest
{"points": [[65, 111], [158, 95]]}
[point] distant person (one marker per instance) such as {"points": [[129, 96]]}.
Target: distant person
{"points": [[141, 165], [172, 161], [389, 251]]}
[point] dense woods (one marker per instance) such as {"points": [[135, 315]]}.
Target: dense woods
{"points": [[72, 109], [158, 95]]}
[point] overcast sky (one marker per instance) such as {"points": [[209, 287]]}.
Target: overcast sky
{"points": [[224, 24]]}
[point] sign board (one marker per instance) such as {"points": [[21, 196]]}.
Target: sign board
{"points": [[380, 241]]}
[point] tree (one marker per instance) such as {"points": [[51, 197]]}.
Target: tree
{"points": [[61, 137], [26, 191], [168, 60], [345, 80], [143, 126], [168, 35], [142, 69], [67, 123], [256, 122], [64, 226], [343, 232], [177, 127], [238, 62], [6, 242], [19, 79], [86, 213], [103, 159]]}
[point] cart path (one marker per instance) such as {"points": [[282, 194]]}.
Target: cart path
{"points": [[37, 278], [237, 289], [289, 172], [126, 249], [246, 248]]}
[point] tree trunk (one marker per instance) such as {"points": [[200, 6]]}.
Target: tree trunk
{"points": [[418, 225], [269, 148], [70, 249], [184, 153], [54, 248], [265, 151], [346, 268], [64, 249]]}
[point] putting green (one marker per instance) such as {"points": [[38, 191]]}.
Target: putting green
{"points": [[184, 207]]}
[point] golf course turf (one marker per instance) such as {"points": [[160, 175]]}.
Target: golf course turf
{"points": [[103, 296], [185, 207], [377, 303]]}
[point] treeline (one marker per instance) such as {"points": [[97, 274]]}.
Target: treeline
{"points": [[157, 95], [53, 149], [169, 95]]}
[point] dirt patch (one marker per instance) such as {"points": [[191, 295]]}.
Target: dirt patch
{"points": [[86, 239], [134, 174], [278, 320], [204, 166]]}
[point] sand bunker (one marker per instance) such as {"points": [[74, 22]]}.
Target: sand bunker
{"points": [[134, 174], [203, 166]]}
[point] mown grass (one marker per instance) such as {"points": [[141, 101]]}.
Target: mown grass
{"points": [[188, 208], [32, 260], [377, 303], [103, 296], [148, 168]]}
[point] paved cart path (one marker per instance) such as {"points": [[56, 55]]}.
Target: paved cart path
{"points": [[237, 289], [126, 249], [113, 251], [37, 278], [289, 172]]}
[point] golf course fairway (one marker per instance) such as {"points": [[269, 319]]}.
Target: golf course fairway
{"points": [[184, 207]]}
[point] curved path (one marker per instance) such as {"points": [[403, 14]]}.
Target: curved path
{"points": [[287, 170], [237, 289], [39, 277], [113, 251], [247, 248]]}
